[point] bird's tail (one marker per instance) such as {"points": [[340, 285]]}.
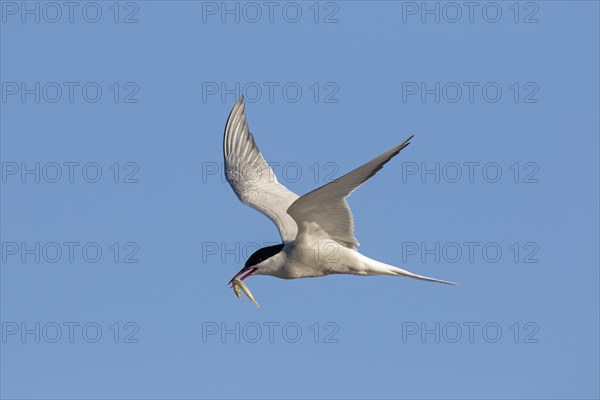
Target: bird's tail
{"points": [[400, 271], [374, 267]]}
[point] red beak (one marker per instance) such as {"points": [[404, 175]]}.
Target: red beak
{"points": [[248, 270]]}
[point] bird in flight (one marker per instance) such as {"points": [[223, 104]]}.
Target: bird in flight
{"points": [[317, 229]]}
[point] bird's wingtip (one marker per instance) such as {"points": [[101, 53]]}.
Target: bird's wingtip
{"points": [[406, 142]]}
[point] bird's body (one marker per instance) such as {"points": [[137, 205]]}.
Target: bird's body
{"points": [[303, 259], [317, 229], [306, 259]]}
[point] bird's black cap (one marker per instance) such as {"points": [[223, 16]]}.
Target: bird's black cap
{"points": [[261, 255]]}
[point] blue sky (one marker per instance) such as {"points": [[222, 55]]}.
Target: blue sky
{"points": [[119, 233]]}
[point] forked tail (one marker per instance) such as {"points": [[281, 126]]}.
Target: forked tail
{"points": [[400, 271], [374, 267]]}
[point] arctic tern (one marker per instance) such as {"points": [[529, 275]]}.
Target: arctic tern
{"points": [[317, 229]]}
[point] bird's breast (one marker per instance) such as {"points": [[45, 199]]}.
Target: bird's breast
{"points": [[316, 258]]}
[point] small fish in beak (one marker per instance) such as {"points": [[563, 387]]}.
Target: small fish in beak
{"points": [[237, 284], [237, 291]]}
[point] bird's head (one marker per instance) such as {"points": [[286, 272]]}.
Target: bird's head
{"points": [[256, 260]]}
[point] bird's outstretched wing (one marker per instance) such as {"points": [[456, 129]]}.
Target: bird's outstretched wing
{"points": [[324, 212], [251, 178]]}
